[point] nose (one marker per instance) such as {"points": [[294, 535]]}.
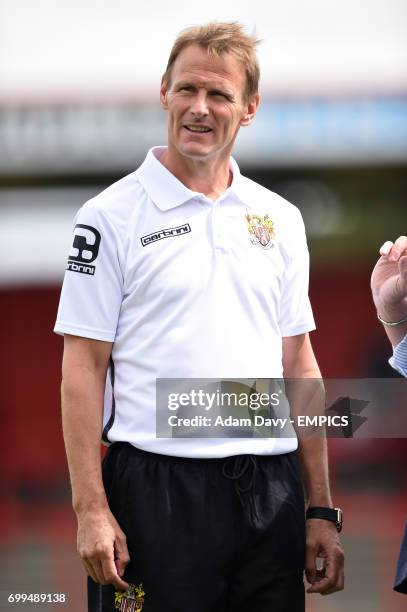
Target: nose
{"points": [[199, 107]]}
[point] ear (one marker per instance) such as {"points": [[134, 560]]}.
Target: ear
{"points": [[251, 109], [163, 94]]}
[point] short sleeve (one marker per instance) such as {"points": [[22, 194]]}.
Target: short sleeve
{"points": [[295, 309], [92, 290]]}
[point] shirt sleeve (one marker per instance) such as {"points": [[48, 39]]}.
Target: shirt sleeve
{"points": [[295, 309], [398, 361], [92, 290]]}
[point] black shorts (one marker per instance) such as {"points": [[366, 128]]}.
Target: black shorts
{"points": [[207, 535]]}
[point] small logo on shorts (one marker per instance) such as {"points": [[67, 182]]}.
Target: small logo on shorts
{"points": [[261, 230], [166, 233], [85, 248], [131, 600]]}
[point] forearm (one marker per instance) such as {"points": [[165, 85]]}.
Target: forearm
{"points": [[395, 335], [306, 396], [314, 466], [82, 395], [309, 400]]}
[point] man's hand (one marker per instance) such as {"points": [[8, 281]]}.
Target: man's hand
{"points": [[389, 287], [389, 280], [322, 540], [102, 547]]}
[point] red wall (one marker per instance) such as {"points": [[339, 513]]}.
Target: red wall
{"points": [[31, 449]]}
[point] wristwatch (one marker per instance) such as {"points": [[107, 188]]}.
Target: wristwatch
{"points": [[328, 514]]}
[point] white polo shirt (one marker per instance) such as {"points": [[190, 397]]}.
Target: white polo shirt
{"points": [[185, 287]]}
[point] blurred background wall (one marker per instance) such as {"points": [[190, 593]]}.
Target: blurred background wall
{"points": [[78, 110]]}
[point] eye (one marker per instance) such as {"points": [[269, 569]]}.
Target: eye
{"points": [[221, 94]]}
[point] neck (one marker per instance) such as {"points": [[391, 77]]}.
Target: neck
{"points": [[208, 176]]}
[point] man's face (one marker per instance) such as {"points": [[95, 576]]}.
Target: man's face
{"points": [[205, 103]]}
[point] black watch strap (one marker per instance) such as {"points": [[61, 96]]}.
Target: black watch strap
{"points": [[328, 514]]}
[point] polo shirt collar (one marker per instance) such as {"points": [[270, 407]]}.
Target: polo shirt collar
{"points": [[166, 191]]}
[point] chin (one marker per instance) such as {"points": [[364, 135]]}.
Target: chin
{"points": [[194, 151]]}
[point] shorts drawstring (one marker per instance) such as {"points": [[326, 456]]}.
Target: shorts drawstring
{"points": [[240, 464]]}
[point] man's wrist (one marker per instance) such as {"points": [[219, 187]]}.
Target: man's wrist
{"points": [[395, 333], [394, 322], [319, 496], [332, 515], [391, 312], [94, 504], [324, 502]]}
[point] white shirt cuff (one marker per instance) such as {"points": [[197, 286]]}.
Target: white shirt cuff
{"points": [[398, 361]]}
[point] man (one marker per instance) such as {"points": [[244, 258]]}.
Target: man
{"points": [[186, 269], [389, 290]]}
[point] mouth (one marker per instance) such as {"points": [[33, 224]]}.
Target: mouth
{"points": [[198, 129]]}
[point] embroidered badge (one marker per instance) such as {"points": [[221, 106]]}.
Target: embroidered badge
{"points": [[131, 600], [261, 230]]}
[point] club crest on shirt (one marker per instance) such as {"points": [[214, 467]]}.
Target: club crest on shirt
{"points": [[261, 230], [131, 600]]}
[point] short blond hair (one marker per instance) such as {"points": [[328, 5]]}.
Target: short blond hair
{"points": [[218, 38]]}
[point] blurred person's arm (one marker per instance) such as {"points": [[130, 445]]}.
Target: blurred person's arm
{"points": [[389, 291], [322, 538], [101, 542]]}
